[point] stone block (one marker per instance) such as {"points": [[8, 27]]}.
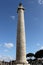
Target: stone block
{"points": [[23, 64]]}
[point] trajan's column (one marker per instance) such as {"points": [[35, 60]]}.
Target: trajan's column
{"points": [[21, 41]]}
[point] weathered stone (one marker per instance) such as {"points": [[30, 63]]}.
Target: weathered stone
{"points": [[21, 41]]}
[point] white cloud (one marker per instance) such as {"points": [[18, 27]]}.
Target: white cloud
{"points": [[40, 2], [41, 47], [8, 45], [6, 58], [12, 17], [6, 50], [38, 44], [0, 44]]}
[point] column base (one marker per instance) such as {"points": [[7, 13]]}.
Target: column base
{"points": [[21, 62]]}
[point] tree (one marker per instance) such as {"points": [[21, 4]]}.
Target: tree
{"points": [[39, 54], [29, 56]]}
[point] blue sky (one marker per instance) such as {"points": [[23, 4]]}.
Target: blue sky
{"points": [[8, 26]]}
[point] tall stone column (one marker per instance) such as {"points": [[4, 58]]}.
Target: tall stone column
{"points": [[21, 41]]}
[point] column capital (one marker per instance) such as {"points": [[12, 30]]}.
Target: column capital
{"points": [[20, 7]]}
